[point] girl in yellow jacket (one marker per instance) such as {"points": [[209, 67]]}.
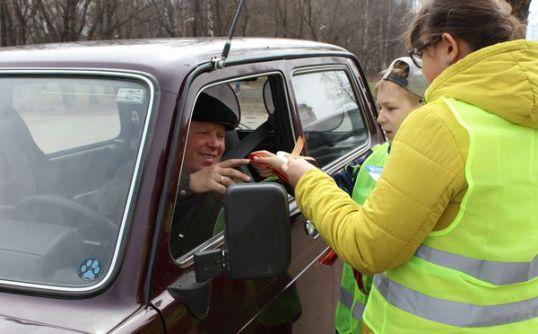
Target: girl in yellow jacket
{"points": [[451, 228]]}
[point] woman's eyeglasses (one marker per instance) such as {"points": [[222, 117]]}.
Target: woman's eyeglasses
{"points": [[416, 56], [416, 53]]}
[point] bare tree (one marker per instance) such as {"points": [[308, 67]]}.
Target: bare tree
{"points": [[369, 28], [104, 14], [62, 20], [16, 19], [6, 25]]}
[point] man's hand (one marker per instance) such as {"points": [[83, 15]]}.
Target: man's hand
{"points": [[218, 177], [263, 169]]}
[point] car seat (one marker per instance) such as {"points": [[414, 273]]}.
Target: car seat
{"points": [[24, 167]]}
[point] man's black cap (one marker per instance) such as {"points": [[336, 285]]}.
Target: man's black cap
{"points": [[211, 109]]}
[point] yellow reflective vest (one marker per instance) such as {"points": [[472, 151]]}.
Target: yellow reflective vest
{"points": [[480, 274], [352, 301]]}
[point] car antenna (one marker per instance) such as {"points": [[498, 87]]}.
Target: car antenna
{"points": [[218, 62]]}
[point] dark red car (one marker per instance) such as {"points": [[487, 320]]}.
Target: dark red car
{"points": [[92, 138]]}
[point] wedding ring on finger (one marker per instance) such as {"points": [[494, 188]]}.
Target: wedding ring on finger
{"points": [[221, 179]]}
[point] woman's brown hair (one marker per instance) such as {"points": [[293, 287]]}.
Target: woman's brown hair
{"points": [[480, 23]]}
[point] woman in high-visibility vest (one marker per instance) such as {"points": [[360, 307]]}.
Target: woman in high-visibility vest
{"points": [[452, 223], [400, 91]]}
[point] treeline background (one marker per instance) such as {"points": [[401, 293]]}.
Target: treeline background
{"points": [[371, 29]]}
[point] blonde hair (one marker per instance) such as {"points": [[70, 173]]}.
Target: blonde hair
{"points": [[386, 84]]}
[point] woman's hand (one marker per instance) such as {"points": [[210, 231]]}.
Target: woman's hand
{"points": [[292, 169], [295, 168]]}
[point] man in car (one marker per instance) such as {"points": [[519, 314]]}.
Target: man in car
{"points": [[204, 176], [203, 180]]}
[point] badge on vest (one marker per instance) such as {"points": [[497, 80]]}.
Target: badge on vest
{"points": [[374, 171]]}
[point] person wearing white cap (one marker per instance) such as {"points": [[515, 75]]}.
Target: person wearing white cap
{"points": [[398, 93]]}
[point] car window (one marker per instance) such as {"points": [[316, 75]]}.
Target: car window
{"points": [[330, 115], [68, 147], [197, 216], [67, 113], [251, 102]]}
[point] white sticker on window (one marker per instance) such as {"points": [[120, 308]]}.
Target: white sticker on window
{"points": [[130, 95]]}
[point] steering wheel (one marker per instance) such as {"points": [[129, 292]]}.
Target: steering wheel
{"points": [[51, 203]]}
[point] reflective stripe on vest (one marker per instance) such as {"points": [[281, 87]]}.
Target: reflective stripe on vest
{"points": [[479, 274], [346, 298], [454, 313], [358, 310], [499, 273]]}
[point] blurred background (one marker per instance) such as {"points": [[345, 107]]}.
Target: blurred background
{"points": [[371, 29], [532, 28]]}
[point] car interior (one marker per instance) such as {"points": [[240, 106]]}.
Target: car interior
{"points": [[258, 129], [266, 124], [64, 176]]}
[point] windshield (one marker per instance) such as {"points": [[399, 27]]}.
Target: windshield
{"points": [[68, 147]]}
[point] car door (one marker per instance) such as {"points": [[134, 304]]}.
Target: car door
{"points": [[272, 101], [337, 124]]}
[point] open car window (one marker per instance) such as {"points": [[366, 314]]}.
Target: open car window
{"points": [[197, 216], [68, 147], [330, 115]]}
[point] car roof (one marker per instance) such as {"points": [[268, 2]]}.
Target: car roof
{"points": [[156, 56]]}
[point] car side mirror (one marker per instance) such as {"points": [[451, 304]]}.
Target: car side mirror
{"points": [[257, 243], [257, 234]]}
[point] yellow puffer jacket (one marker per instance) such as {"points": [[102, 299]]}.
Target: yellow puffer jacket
{"points": [[423, 182]]}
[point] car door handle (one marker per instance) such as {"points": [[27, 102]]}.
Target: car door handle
{"points": [[310, 229], [295, 214]]}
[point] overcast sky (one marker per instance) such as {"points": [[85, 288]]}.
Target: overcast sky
{"points": [[532, 31]]}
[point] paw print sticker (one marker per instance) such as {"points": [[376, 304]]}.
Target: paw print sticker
{"points": [[90, 269]]}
